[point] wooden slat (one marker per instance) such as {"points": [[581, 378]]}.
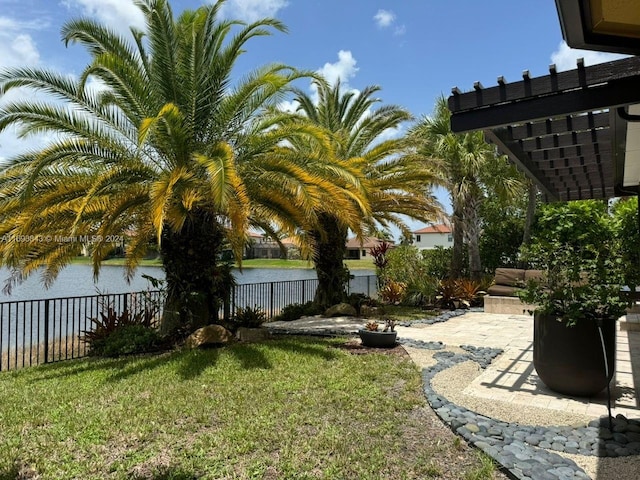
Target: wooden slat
{"points": [[545, 85], [602, 149], [559, 125], [601, 97], [569, 139], [521, 160]]}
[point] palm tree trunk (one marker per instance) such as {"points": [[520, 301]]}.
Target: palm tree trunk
{"points": [[531, 213], [196, 285], [328, 258], [528, 222], [457, 254], [472, 233]]}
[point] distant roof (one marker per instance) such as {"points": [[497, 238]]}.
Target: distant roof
{"points": [[367, 242], [441, 228]]}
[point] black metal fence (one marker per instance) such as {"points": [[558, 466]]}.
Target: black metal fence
{"points": [[273, 296], [48, 330], [43, 331]]}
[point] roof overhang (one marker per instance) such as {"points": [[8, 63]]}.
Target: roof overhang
{"points": [[568, 131], [602, 25]]}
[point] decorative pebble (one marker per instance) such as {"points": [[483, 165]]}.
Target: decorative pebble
{"points": [[528, 452]]}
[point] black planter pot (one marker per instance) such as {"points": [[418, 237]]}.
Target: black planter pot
{"points": [[378, 339], [569, 360]]}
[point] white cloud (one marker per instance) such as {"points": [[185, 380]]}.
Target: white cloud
{"points": [[288, 106], [565, 57], [344, 69], [384, 18], [117, 14], [17, 47], [252, 10]]}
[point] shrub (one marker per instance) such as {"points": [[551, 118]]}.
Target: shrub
{"points": [[392, 292], [250, 317], [437, 262], [294, 311], [422, 291], [127, 340]]}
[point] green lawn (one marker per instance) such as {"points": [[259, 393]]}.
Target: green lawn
{"points": [[291, 408], [366, 264]]}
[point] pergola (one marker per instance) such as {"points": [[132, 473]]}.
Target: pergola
{"points": [[576, 133]]}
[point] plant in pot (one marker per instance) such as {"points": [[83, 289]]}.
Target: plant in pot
{"points": [[578, 302], [372, 336]]}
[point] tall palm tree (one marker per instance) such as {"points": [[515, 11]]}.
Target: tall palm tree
{"points": [[169, 148], [393, 182], [470, 168]]}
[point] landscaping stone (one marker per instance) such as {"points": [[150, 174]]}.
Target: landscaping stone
{"points": [[341, 310], [209, 335], [245, 334], [527, 451], [443, 317]]}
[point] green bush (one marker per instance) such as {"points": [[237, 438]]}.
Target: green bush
{"points": [[127, 340], [625, 226], [294, 311], [422, 291], [437, 262], [250, 317]]}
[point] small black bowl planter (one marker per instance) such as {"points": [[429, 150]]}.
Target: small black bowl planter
{"points": [[378, 339], [569, 360]]}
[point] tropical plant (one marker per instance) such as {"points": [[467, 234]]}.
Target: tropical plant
{"points": [[387, 181], [470, 168], [582, 277], [392, 292], [503, 226], [250, 317], [408, 265], [168, 147], [469, 291], [371, 326], [626, 229], [380, 260], [294, 311]]}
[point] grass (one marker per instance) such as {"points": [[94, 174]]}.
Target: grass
{"points": [[365, 264], [291, 408]]}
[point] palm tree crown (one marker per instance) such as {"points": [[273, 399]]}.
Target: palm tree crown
{"points": [[169, 147]]}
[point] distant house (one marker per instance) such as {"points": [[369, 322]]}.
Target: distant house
{"points": [[357, 250], [433, 236], [263, 246]]}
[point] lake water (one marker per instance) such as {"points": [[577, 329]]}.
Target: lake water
{"points": [[27, 326], [77, 280]]}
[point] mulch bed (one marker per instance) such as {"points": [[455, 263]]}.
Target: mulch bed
{"points": [[355, 347]]}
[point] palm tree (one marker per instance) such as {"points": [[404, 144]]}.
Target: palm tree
{"points": [[470, 168], [168, 149], [389, 181]]}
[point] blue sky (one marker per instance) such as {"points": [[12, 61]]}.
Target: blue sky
{"points": [[415, 50]]}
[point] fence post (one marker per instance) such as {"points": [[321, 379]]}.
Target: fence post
{"points": [[226, 304], [46, 331], [304, 292], [271, 299]]}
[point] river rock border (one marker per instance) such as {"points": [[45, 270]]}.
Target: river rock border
{"points": [[442, 317], [527, 452]]}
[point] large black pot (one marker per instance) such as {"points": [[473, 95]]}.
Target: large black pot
{"points": [[378, 339], [569, 360]]}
